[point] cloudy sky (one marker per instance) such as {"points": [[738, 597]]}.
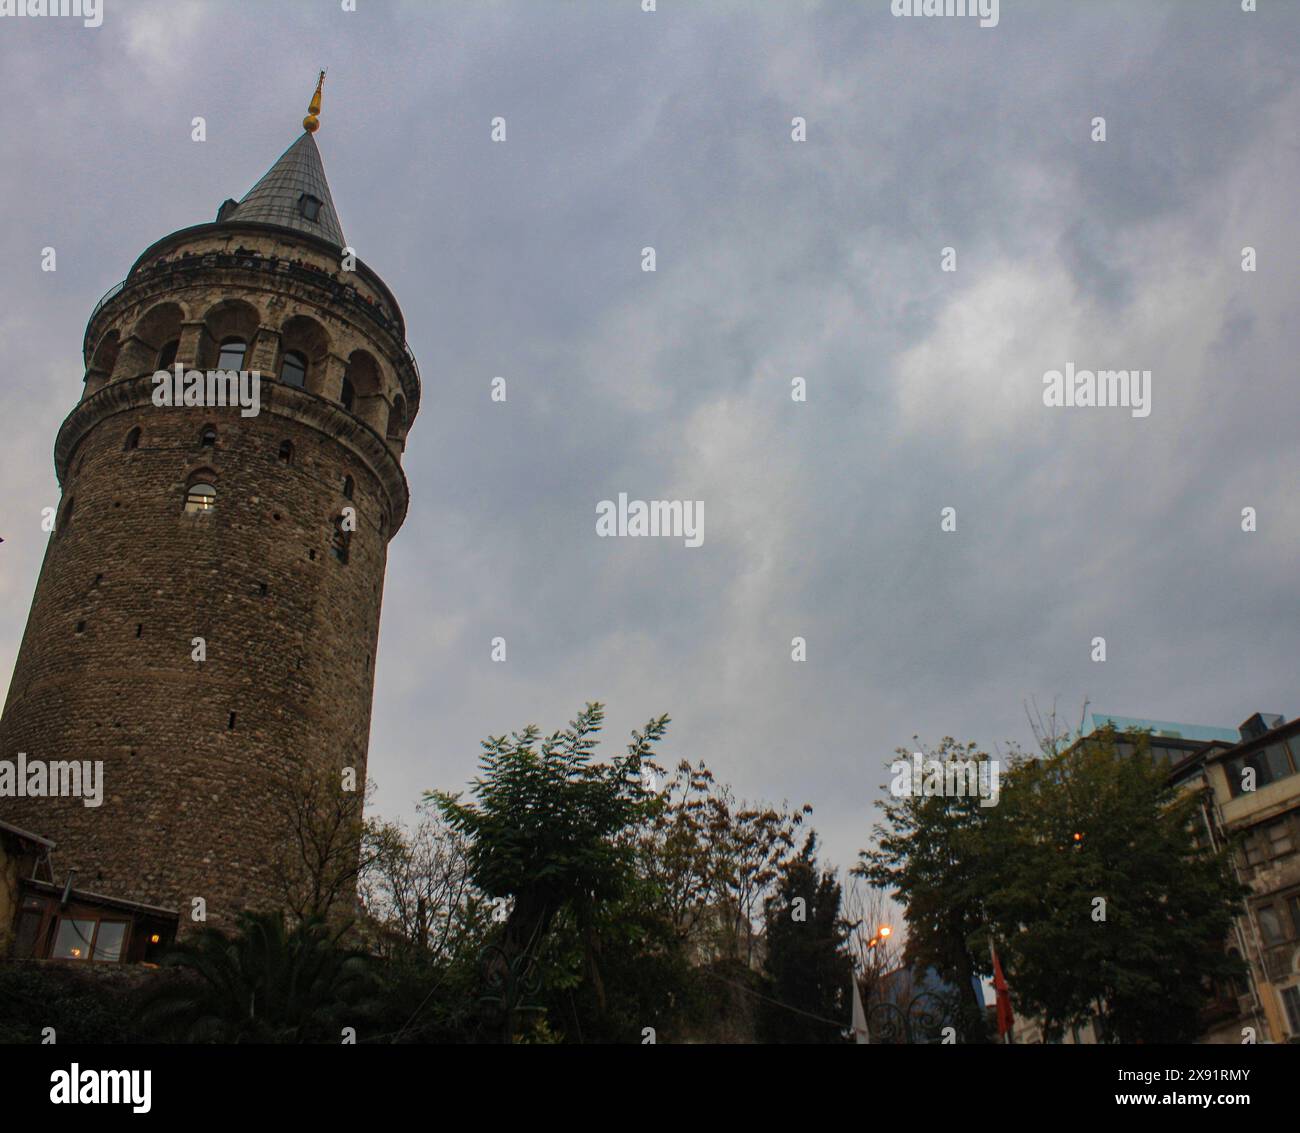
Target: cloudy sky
{"points": [[775, 258]]}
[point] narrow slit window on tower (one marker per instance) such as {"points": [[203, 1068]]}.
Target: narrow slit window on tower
{"points": [[231, 356], [208, 438], [230, 723], [167, 355], [286, 451], [348, 487], [348, 395], [132, 440], [293, 370], [139, 628], [200, 497], [339, 541], [81, 627]]}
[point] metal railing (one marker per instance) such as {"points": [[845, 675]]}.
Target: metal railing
{"points": [[320, 279]]}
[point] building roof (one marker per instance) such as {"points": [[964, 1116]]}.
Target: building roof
{"points": [[276, 198], [26, 835], [1094, 721]]}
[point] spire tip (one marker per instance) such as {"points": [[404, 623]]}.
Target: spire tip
{"points": [[312, 123]]}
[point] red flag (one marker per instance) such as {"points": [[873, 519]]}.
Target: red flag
{"points": [[1005, 1018]]}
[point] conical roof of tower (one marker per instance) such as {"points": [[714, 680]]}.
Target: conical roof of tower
{"points": [[279, 197]]}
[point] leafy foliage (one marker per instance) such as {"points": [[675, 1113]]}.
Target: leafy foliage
{"points": [[266, 983], [807, 955]]}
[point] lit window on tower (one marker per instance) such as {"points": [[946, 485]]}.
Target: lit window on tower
{"points": [[200, 498]]}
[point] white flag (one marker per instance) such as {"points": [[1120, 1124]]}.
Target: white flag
{"points": [[860, 1032]]}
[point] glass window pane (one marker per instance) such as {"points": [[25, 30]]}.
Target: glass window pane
{"points": [[1270, 924], [294, 370], [232, 354], [1263, 773], [201, 497], [1279, 765], [1291, 997], [108, 941], [73, 940]]}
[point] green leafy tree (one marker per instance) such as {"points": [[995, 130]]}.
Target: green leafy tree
{"points": [[932, 854], [807, 956], [1103, 901], [267, 983], [551, 830]]}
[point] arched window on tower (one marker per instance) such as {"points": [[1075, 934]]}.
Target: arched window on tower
{"points": [[348, 396], [286, 452], [293, 370], [167, 355], [200, 497], [397, 419], [232, 354], [208, 438], [132, 440]]}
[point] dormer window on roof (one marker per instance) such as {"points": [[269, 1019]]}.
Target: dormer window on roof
{"points": [[309, 206]]}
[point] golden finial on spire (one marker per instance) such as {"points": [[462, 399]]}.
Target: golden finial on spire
{"points": [[311, 123]]}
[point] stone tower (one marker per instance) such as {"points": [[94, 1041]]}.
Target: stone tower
{"points": [[180, 522]]}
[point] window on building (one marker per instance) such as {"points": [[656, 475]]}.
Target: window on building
{"points": [[73, 940], [1279, 839], [1278, 760], [1269, 763], [84, 938], [132, 440], [231, 356], [286, 452], [1291, 1001], [1270, 924], [108, 941], [309, 206], [167, 355], [348, 487], [293, 370], [208, 438], [348, 396], [200, 497], [1253, 847]]}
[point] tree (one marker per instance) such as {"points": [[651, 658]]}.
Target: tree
{"points": [[807, 955], [415, 884], [715, 861], [931, 853], [1103, 902], [320, 858], [267, 983], [866, 910], [551, 830]]}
